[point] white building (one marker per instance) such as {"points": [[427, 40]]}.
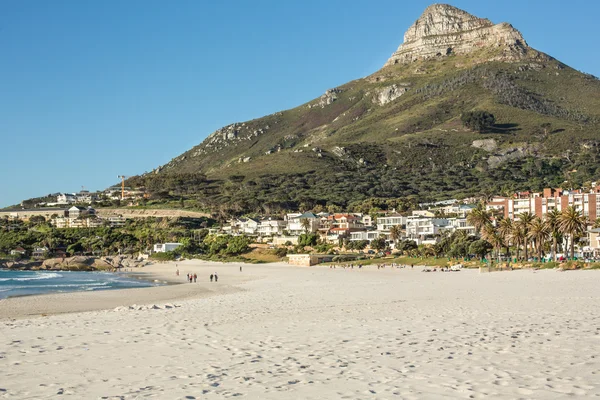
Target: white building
{"points": [[364, 235], [295, 224], [65, 198], [165, 247], [271, 227]]}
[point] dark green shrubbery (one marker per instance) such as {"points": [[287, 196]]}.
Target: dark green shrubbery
{"points": [[480, 121]]}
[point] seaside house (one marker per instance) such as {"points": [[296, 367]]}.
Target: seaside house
{"points": [[18, 251], [165, 247], [39, 252], [364, 235], [424, 230], [271, 227], [296, 226], [341, 225], [385, 223]]}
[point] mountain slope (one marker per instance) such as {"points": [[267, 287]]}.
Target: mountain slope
{"points": [[398, 133]]}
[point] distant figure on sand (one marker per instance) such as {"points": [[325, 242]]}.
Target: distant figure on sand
{"points": [[240, 268], [216, 277], [195, 277], [177, 272], [211, 277]]}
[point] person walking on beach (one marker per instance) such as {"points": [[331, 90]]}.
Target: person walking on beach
{"points": [[195, 277], [177, 272], [211, 277], [240, 268], [216, 277]]}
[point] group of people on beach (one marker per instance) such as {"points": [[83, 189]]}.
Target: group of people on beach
{"points": [[192, 278]]}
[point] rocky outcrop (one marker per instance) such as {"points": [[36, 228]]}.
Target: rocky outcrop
{"points": [[77, 263], [327, 98], [25, 265], [445, 30], [389, 94], [485, 144]]}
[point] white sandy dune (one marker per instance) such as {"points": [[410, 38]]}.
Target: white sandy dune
{"points": [[282, 332]]}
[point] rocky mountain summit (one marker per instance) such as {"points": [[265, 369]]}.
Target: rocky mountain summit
{"points": [[445, 30]]}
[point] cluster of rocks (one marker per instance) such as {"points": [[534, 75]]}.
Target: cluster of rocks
{"points": [[79, 263], [327, 98], [444, 30], [344, 153], [500, 155], [389, 94]]}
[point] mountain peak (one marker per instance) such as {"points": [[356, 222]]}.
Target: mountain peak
{"points": [[444, 30]]}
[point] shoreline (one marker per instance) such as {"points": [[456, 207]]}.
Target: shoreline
{"points": [[174, 289]]}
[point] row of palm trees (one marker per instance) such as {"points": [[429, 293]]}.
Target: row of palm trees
{"points": [[528, 231]]}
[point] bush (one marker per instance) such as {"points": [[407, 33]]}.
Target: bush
{"points": [[480, 121], [166, 256], [280, 252]]}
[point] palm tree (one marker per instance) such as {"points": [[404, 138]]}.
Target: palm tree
{"points": [[552, 220], [518, 236], [572, 223], [505, 230], [479, 217], [538, 233], [305, 223], [395, 233], [525, 219], [494, 238]]}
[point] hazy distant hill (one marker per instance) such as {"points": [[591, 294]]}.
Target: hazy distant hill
{"points": [[399, 133]]}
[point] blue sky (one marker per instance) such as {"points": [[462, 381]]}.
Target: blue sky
{"points": [[94, 89]]}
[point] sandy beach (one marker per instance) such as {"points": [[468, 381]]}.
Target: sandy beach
{"points": [[275, 331]]}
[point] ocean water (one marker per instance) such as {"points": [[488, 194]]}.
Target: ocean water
{"points": [[25, 283]]}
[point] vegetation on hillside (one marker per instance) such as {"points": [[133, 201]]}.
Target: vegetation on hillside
{"points": [[414, 148]]}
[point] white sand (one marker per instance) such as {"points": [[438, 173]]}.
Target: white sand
{"points": [[316, 333]]}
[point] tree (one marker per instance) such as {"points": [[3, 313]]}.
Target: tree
{"points": [[307, 239], [538, 233], [479, 217], [378, 244], [395, 233], [491, 235], [525, 219], [553, 220], [406, 246], [519, 237], [572, 223], [480, 248], [305, 223], [505, 230], [480, 121]]}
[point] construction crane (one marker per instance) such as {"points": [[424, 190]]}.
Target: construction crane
{"points": [[122, 177]]}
